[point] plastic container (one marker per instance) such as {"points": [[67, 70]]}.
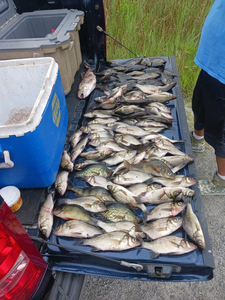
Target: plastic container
{"points": [[12, 197], [33, 122], [42, 33]]}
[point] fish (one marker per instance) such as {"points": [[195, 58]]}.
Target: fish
{"points": [[171, 245], [160, 106], [109, 146], [101, 134], [96, 155], [147, 76], [97, 181], [154, 168], [129, 129], [77, 229], [149, 123], [166, 145], [84, 163], [117, 212], [112, 241], [75, 138], [99, 114], [166, 79], [126, 139], [89, 203], [131, 177], [124, 196], [72, 212], [128, 109], [161, 97], [119, 157], [157, 62], [97, 191], [98, 141], [87, 84], [132, 62], [66, 162], [166, 210], [103, 120], [125, 226], [45, 218], [78, 149], [135, 160], [179, 180], [92, 170], [61, 182], [192, 225], [139, 189], [161, 227]]}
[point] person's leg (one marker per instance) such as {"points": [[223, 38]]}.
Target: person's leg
{"points": [[221, 165]]}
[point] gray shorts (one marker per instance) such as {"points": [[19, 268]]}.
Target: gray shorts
{"points": [[208, 105]]}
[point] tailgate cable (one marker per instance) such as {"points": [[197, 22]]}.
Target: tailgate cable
{"points": [[137, 267]]}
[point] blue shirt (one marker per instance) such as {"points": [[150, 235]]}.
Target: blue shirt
{"points": [[211, 51]]}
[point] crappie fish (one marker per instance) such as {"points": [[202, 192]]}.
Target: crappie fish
{"points": [[87, 84], [79, 148], [92, 170], [89, 203], [75, 138], [154, 168], [125, 226], [77, 229], [117, 212], [98, 141], [161, 227], [101, 134], [112, 241], [103, 121], [192, 226], [166, 210], [66, 162], [72, 212], [61, 182], [124, 196], [172, 245], [45, 218]]}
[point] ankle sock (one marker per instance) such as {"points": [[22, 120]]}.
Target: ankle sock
{"points": [[197, 137], [222, 177]]}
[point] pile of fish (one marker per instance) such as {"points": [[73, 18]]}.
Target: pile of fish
{"points": [[133, 195]]}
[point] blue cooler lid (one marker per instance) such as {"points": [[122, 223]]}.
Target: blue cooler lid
{"points": [[7, 11]]}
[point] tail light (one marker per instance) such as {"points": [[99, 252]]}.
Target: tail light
{"points": [[21, 265]]}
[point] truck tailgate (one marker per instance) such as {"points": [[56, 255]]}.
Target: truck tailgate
{"points": [[194, 266]]}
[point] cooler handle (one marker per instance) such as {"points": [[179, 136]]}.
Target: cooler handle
{"points": [[8, 163]]}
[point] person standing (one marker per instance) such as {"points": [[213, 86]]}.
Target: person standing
{"points": [[208, 101]]}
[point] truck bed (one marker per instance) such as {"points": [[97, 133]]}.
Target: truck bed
{"points": [[194, 266]]}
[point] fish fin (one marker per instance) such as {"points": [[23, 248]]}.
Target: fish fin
{"points": [[94, 249], [127, 165], [154, 255], [186, 199], [138, 199]]}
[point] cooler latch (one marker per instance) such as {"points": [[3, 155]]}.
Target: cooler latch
{"points": [[161, 270], [7, 161]]}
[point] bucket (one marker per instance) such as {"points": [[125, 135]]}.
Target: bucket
{"points": [[12, 197]]}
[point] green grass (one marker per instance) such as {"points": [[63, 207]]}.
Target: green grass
{"points": [[158, 28]]}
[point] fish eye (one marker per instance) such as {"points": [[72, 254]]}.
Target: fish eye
{"points": [[134, 240], [176, 193], [175, 219]]}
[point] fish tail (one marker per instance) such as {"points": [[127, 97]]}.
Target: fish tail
{"points": [[127, 165]]}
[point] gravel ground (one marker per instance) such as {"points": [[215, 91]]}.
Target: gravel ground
{"points": [[112, 289]]}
